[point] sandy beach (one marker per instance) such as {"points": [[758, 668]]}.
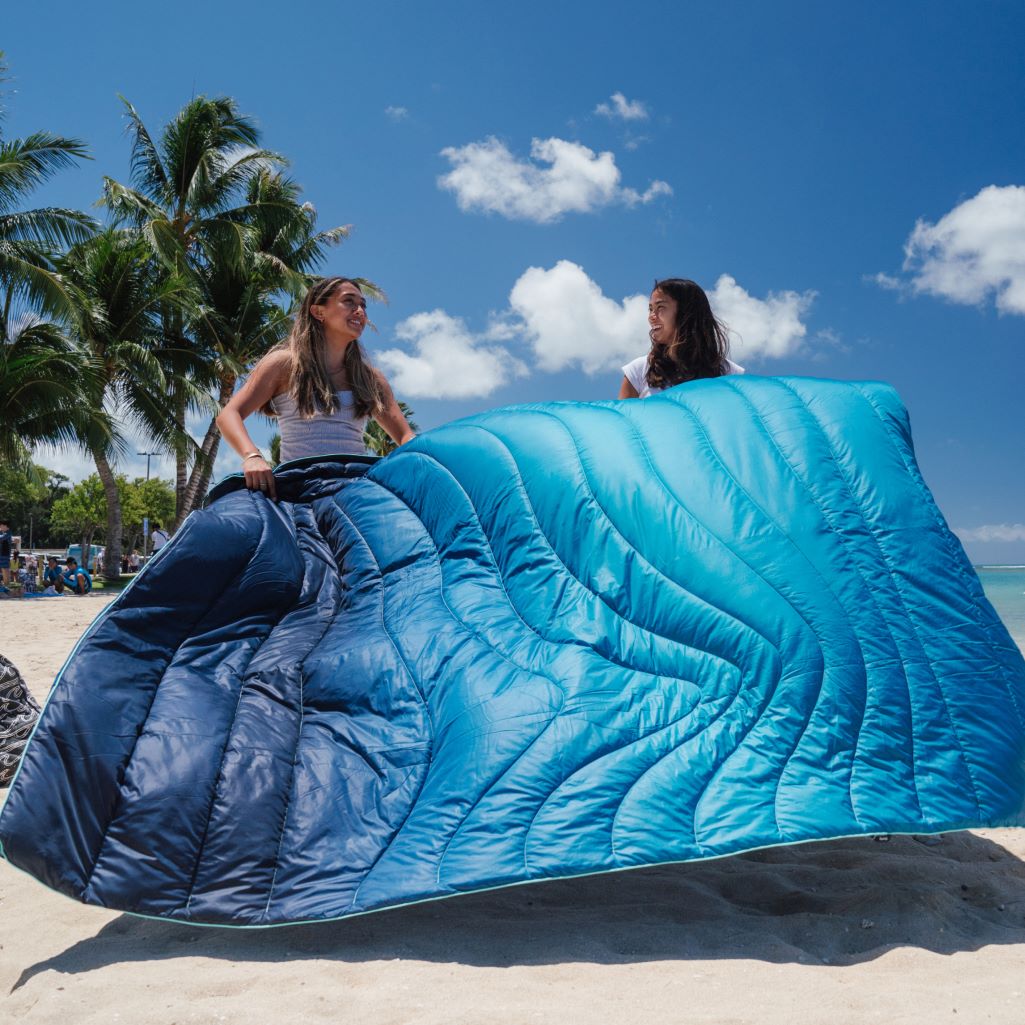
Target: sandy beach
{"points": [[904, 931]]}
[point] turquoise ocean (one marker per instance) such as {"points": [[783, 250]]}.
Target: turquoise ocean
{"points": [[1005, 588]]}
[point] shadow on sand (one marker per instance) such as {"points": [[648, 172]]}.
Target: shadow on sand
{"points": [[838, 902]]}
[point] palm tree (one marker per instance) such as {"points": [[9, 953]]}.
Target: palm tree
{"points": [[378, 441], [125, 294], [242, 317], [188, 196], [41, 373], [44, 384], [30, 239]]}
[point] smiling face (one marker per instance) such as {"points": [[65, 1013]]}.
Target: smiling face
{"points": [[343, 313], [661, 318]]}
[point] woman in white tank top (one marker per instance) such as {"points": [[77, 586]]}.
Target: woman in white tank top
{"points": [[319, 385], [687, 342]]}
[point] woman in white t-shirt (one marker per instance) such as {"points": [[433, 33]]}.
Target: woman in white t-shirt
{"points": [[687, 342]]}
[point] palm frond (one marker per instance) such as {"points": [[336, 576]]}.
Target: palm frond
{"points": [[54, 225], [313, 250], [198, 136], [147, 168], [27, 163], [25, 274], [227, 174], [167, 244], [128, 205]]}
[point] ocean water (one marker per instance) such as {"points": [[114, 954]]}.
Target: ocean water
{"points": [[1005, 588]]}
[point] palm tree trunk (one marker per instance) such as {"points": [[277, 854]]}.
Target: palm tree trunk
{"points": [[112, 556], [203, 467], [86, 546], [181, 465]]}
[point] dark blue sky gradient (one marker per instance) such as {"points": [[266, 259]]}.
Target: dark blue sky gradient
{"points": [[802, 141]]}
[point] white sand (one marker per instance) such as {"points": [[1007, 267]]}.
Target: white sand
{"points": [[845, 931]]}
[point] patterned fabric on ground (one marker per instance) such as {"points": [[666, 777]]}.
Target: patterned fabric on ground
{"points": [[18, 714], [543, 641]]}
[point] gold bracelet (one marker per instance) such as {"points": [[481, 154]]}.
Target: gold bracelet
{"points": [[252, 455]]}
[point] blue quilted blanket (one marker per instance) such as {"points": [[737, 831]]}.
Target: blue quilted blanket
{"points": [[544, 641]]}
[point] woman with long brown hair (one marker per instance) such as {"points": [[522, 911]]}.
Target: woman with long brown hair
{"points": [[687, 342], [319, 384]]}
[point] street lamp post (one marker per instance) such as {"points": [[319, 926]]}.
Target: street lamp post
{"points": [[145, 519]]}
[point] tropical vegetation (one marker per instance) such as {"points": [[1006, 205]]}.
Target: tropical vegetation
{"points": [[125, 334], [80, 515]]}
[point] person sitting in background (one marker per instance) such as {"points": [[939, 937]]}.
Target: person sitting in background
{"points": [[5, 554], [687, 342], [76, 578], [27, 575], [52, 575]]}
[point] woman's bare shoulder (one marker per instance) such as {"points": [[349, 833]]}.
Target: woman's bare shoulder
{"points": [[274, 367]]}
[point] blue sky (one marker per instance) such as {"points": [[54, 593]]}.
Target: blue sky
{"points": [[846, 181]]}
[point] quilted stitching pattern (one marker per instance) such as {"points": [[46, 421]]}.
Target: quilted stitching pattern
{"points": [[540, 642]]}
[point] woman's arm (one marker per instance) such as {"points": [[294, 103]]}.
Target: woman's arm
{"points": [[390, 416], [628, 391], [269, 378]]}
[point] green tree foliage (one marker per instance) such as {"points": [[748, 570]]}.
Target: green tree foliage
{"points": [[219, 214], [81, 514], [188, 195], [124, 292], [158, 315], [141, 499], [243, 318], [44, 386], [21, 488], [41, 373], [377, 439], [27, 494], [30, 239]]}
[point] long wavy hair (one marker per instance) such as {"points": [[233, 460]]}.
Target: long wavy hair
{"points": [[309, 376], [701, 344]]}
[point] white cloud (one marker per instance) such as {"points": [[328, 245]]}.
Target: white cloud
{"points": [[888, 281], [657, 188], [448, 361], [760, 327], [993, 532], [634, 142], [396, 113], [622, 109], [975, 251], [74, 463], [486, 176], [567, 320]]}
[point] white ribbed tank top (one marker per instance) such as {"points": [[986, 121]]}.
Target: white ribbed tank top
{"points": [[325, 434]]}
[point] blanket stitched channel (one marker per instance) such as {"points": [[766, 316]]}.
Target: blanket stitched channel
{"points": [[540, 642]]}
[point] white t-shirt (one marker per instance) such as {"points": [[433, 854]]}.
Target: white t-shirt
{"points": [[636, 370], [158, 539]]}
